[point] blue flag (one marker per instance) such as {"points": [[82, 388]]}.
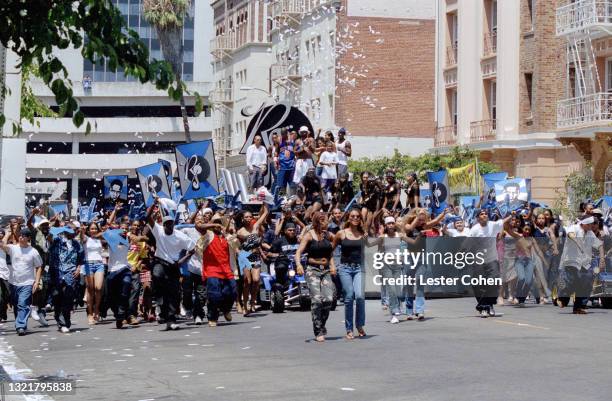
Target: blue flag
{"points": [[489, 182], [425, 199], [511, 193], [153, 182], [197, 169], [438, 184]]}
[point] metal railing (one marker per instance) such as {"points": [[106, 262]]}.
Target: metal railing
{"points": [[445, 136], [583, 14], [488, 68], [593, 110], [223, 43], [288, 7], [279, 71], [451, 55], [221, 95], [490, 44], [484, 130], [450, 78]]}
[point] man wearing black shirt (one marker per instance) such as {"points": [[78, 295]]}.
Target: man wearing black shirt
{"points": [[283, 249]]}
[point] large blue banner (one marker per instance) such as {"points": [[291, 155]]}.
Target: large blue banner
{"points": [[197, 170], [153, 182], [512, 194], [438, 184], [489, 183]]}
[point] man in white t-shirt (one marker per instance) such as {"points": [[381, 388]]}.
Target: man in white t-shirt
{"points": [[24, 277], [329, 161], [257, 162], [343, 147], [486, 295], [458, 229], [576, 270], [169, 243], [193, 284], [4, 276]]}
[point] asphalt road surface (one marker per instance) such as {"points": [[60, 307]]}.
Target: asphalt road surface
{"points": [[533, 353]]}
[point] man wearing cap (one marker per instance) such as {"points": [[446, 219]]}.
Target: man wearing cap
{"points": [[24, 276], [343, 147], [257, 162], [576, 274], [166, 273], [41, 241], [66, 259]]}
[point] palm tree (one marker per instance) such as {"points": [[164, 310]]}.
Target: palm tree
{"points": [[168, 17]]}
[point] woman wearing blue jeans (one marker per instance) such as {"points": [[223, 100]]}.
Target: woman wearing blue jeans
{"points": [[351, 272]]}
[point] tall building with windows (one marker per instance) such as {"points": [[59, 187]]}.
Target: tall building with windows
{"points": [[511, 83], [132, 124], [361, 64]]}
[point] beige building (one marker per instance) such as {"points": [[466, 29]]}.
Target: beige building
{"points": [[526, 83]]}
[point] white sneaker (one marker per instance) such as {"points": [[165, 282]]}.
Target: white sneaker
{"points": [[394, 319], [491, 311], [484, 313], [42, 321], [172, 326], [198, 320], [34, 313], [65, 329], [183, 311]]}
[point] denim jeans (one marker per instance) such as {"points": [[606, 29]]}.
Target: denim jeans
{"points": [[284, 177], [351, 277], [393, 293], [524, 270], [119, 287], [221, 294], [136, 287], [256, 177], [22, 299], [414, 294]]}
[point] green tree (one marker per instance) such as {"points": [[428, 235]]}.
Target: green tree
{"points": [[579, 186], [168, 18], [35, 29], [405, 164]]}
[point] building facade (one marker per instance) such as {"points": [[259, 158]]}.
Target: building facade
{"points": [[506, 86], [132, 124], [359, 64]]}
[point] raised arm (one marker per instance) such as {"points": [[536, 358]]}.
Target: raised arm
{"points": [[263, 215]]}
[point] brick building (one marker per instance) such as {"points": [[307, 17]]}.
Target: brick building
{"points": [[512, 83], [361, 64]]}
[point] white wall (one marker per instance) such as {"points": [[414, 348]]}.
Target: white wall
{"points": [[12, 176], [203, 33], [508, 45]]}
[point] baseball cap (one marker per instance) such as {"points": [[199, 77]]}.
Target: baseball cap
{"points": [[303, 128], [342, 130], [25, 232], [41, 222], [167, 218]]}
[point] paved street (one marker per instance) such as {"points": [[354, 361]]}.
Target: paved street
{"points": [[539, 352]]}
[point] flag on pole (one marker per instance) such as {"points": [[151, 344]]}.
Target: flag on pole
{"points": [[438, 184], [197, 170], [153, 182]]}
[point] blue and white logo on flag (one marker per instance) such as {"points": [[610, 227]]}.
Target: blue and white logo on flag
{"points": [[153, 182], [438, 184], [489, 183], [197, 170]]}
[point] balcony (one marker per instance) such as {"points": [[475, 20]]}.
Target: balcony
{"points": [[586, 111], [221, 95], [489, 48], [285, 72], [223, 45], [446, 136], [289, 9], [481, 131], [450, 78], [488, 68], [451, 56], [584, 14]]}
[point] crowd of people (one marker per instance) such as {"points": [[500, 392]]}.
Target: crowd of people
{"points": [[156, 271]]}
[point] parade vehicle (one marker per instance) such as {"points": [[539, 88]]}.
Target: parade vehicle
{"points": [[602, 286], [294, 294]]}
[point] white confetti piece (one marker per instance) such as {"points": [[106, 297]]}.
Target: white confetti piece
{"points": [[191, 344], [256, 327], [219, 388], [183, 371], [245, 348], [120, 360], [200, 373], [127, 355], [208, 345], [347, 389], [188, 356]]}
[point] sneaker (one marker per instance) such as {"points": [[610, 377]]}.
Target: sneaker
{"points": [[198, 320], [420, 316], [491, 311], [189, 315], [227, 316], [183, 311], [34, 313], [484, 314], [48, 308], [172, 326], [42, 321], [21, 332], [394, 320], [65, 329], [119, 324], [212, 323], [410, 317]]}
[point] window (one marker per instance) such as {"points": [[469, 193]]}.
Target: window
{"points": [[609, 74], [532, 11], [452, 107], [493, 102], [529, 86]]}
